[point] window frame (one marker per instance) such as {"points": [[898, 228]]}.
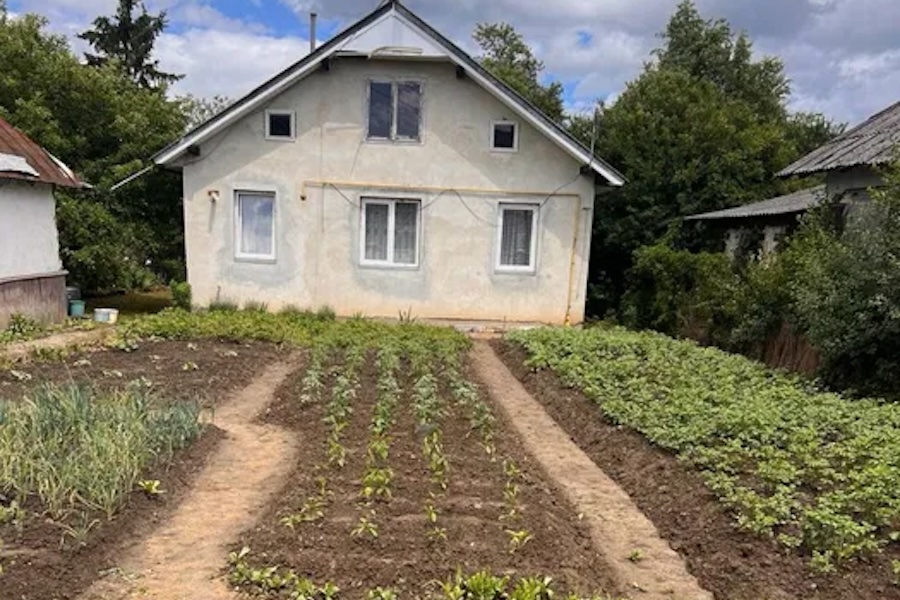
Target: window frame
{"points": [[239, 255], [394, 83], [391, 203], [281, 112], [515, 146], [531, 268]]}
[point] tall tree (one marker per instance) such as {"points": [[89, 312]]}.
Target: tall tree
{"points": [[506, 54], [102, 124], [704, 127], [129, 39]]}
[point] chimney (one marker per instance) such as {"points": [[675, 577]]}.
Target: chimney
{"points": [[312, 32]]}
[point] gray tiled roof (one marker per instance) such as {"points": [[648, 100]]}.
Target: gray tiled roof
{"points": [[871, 143], [792, 203]]}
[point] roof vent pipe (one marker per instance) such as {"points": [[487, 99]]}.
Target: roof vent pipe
{"points": [[312, 32]]}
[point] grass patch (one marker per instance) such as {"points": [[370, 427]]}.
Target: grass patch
{"points": [[819, 472]]}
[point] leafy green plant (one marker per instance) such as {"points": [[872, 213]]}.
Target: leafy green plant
{"points": [[380, 593], [366, 526], [181, 295], [151, 487], [518, 539], [815, 470]]}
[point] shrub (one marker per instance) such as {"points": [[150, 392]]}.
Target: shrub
{"points": [[846, 292], [181, 295], [682, 293]]}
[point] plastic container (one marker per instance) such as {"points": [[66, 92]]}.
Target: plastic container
{"points": [[73, 293], [76, 308], [106, 315]]}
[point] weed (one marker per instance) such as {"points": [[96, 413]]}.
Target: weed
{"points": [[518, 539], [255, 306], [151, 487], [380, 593], [636, 555], [366, 526], [223, 305]]}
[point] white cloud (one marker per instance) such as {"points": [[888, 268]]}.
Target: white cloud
{"points": [[841, 55], [226, 63]]}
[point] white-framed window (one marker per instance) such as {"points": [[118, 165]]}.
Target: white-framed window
{"points": [[281, 125], [254, 225], [505, 136], [517, 233], [389, 232], [395, 111]]}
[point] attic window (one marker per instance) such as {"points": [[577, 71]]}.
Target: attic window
{"points": [[280, 125], [395, 110], [505, 136]]}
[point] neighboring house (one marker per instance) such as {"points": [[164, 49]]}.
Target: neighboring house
{"points": [[385, 172], [32, 282], [850, 165], [774, 218]]}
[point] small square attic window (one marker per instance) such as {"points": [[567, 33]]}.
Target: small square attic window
{"points": [[505, 136], [280, 125]]}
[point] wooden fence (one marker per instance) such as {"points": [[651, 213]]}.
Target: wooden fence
{"points": [[40, 297]]}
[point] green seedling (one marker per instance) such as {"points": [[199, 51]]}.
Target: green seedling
{"points": [[151, 487], [518, 539]]}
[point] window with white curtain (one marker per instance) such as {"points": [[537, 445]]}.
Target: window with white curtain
{"points": [[255, 225], [390, 232], [395, 110], [517, 244]]}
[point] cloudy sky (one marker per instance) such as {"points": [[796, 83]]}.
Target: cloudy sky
{"points": [[843, 56]]}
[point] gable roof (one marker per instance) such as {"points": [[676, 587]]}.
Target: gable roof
{"points": [[377, 34], [23, 159], [797, 202], [870, 143]]}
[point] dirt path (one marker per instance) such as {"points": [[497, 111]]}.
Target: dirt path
{"points": [[20, 350], [642, 562], [183, 559]]}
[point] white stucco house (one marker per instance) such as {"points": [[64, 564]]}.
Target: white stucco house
{"points": [[32, 282], [388, 171]]}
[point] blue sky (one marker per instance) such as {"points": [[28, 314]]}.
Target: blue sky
{"points": [[843, 56]]}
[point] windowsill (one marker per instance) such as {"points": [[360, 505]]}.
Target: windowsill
{"points": [[386, 266], [260, 260], [515, 270], [280, 138], [505, 150], [398, 142]]}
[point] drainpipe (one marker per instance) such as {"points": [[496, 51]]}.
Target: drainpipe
{"points": [[312, 32]]}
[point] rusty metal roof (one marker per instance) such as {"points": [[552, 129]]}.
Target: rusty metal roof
{"points": [[782, 205], [21, 158], [871, 143]]}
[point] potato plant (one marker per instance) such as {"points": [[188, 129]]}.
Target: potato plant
{"points": [[817, 471]]}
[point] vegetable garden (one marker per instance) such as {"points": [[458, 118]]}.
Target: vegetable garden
{"points": [[814, 471]]}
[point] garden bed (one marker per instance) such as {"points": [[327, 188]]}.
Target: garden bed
{"points": [[734, 564], [365, 508], [55, 555], [203, 370]]}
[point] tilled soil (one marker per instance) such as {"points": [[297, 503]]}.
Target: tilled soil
{"points": [[34, 563], [402, 556], [204, 370], [733, 564]]}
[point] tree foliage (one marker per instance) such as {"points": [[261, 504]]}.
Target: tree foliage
{"points": [[103, 125], [128, 39], [199, 110], [506, 54], [705, 127]]}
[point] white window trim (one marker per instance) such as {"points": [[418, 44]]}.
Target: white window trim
{"points": [[394, 82], [531, 268], [238, 227], [516, 128], [279, 138], [391, 204]]}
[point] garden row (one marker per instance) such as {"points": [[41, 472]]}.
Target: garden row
{"points": [[818, 472], [406, 485]]}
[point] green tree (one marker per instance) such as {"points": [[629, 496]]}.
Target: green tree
{"points": [[704, 127], [129, 40], [506, 54], [103, 125], [199, 110]]}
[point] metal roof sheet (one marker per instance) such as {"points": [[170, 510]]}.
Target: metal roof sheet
{"points": [[870, 143], [782, 205], [41, 165]]}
